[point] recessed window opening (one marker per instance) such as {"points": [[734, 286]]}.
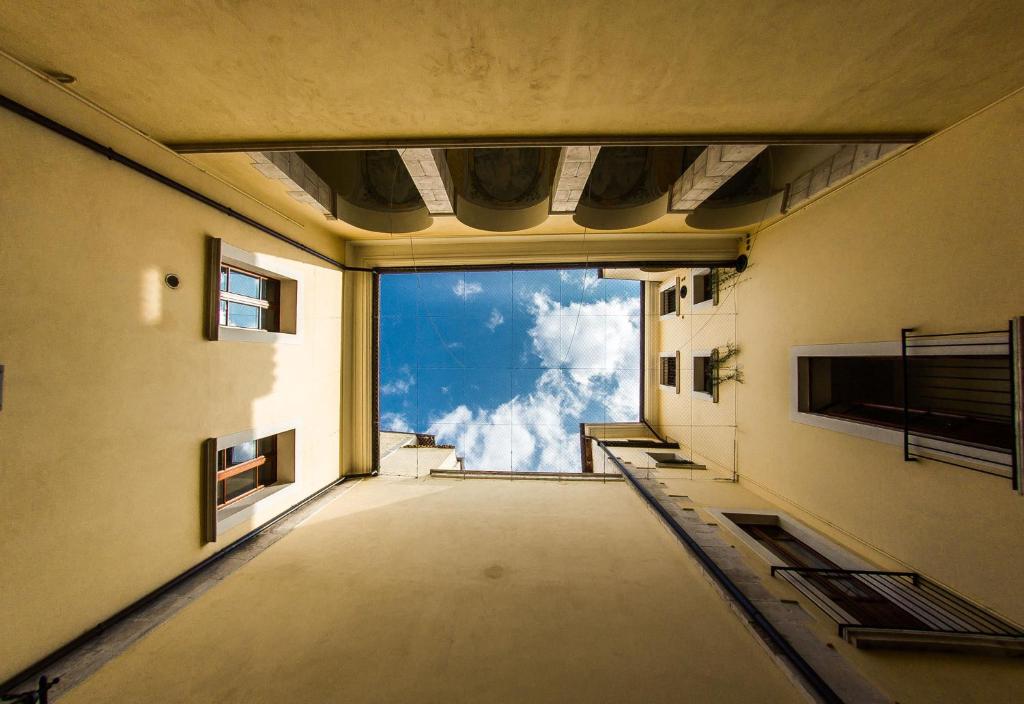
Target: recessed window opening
{"points": [[704, 287], [245, 468], [957, 398], [669, 301], [502, 366], [669, 370], [669, 459], [703, 374], [248, 300]]}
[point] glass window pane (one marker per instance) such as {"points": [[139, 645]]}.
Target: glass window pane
{"points": [[244, 284], [242, 452], [223, 278], [239, 484], [223, 313], [243, 316]]}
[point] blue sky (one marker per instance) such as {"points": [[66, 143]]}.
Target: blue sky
{"points": [[506, 364]]}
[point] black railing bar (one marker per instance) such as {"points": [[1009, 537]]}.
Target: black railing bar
{"points": [[951, 377], [1011, 367], [959, 454], [920, 611], [963, 466], [938, 616], [961, 400], [938, 345], [919, 630], [981, 613], [906, 393], [838, 571], [817, 597], [954, 334], [964, 361], [970, 390], [970, 613]]}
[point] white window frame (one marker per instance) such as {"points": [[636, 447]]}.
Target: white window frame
{"points": [[290, 297]]}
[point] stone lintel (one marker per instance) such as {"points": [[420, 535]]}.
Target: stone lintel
{"points": [[423, 169], [711, 170]]}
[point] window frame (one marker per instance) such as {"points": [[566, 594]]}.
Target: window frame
{"points": [[711, 356], [287, 280], [268, 304], [267, 458], [891, 436], [674, 357], [699, 277], [219, 517]]}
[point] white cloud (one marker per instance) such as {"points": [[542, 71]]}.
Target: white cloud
{"points": [[495, 320], [592, 340], [464, 290], [396, 422], [592, 350], [591, 355], [400, 385]]}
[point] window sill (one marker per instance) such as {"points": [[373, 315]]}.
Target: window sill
{"points": [[861, 430], [243, 510], [230, 334]]}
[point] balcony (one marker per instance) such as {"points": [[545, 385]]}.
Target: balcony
{"points": [[902, 610]]}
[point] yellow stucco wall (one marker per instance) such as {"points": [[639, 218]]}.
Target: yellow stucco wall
{"points": [[706, 430], [930, 239], [110, 386], [907, 677]]}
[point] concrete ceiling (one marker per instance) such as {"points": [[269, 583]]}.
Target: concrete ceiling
{"points": [[191, 71]]}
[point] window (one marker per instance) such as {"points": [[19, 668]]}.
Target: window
{"points": [[242, 470], [245, 469], [251, 297], [669, 371], [704, 287], [671, 459], [248, 300], [861, 600], [703, 374], [669, 303], [960, 399]]}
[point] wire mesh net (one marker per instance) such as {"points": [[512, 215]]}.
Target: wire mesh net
{"points": [[504, 366]]}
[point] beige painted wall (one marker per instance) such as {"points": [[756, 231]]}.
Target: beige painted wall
{"points": [[908, 677], [706, 430], [110, 385], [931, 239]]}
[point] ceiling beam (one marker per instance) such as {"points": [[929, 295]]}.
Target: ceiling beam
{"points": [[715, 165], [552, 141]]}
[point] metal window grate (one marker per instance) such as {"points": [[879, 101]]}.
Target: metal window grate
{"points": [[959, 400], [668, 301], [668, 371], [893, 601]]}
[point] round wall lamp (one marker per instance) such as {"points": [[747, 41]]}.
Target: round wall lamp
{"points": [[682, 292], [172, 281]]}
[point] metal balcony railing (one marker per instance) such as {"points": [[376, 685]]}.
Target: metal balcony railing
{"points": [[961, 399], [893, 608]]}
